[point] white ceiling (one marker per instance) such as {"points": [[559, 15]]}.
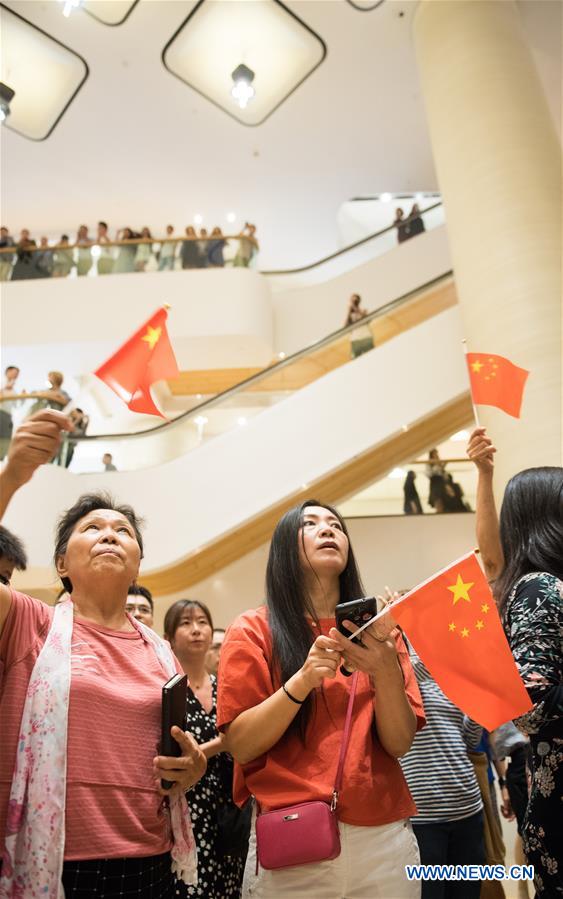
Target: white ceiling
{"points": [[139, 147]]}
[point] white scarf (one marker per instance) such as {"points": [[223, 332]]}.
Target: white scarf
{"points": [[35, 826]]}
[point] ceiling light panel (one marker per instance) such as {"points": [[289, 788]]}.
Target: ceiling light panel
{"points": [[45, 75], [365, 5], [110, 12], [263, 35]]}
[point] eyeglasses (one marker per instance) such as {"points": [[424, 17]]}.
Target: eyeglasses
{"points": [[135, 608], [4, 580]]}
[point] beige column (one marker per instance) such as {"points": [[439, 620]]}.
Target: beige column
{"points": [[498, 161]]}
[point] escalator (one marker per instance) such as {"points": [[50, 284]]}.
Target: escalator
{"points": [[212, 482]]}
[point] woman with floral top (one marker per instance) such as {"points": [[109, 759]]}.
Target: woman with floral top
{"points": [[524, 558]]}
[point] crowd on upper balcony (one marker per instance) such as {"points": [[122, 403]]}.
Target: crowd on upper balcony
{"points": [[127, 251]]}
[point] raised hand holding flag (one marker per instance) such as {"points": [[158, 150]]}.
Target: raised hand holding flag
{"points": [[143, 359], [453, 623]]}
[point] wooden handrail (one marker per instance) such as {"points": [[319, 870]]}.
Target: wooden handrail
{"points": [[133, 241], [12, 397]]}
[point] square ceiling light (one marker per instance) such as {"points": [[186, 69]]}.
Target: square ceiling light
{"points": [[365, 5], [110, 12], [44, 74], [220, 38]]}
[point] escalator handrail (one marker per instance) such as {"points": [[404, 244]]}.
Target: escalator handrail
{"points": [[277, 366], [350, 246]]}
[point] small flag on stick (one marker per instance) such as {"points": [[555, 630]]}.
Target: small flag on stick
{"points": [[453, 623], [143, 359], [496, 381]]}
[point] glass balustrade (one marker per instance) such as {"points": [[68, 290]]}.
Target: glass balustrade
{"points": [[129, 254], [235, 407], [55, 257]]}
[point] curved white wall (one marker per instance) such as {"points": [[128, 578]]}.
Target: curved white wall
{"points": [[305, 311], [219, 318]]}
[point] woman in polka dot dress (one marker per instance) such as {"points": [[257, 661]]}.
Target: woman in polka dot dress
{"points": [[189, 628]]}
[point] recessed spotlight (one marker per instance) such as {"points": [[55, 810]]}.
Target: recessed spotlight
{"points": [[198, 219], [397, 473], [281, 355], [386, 197], [241, 421], [6, 97], [242, 89], [231, 217], [201, 420], [199, 396], [69, 5]]}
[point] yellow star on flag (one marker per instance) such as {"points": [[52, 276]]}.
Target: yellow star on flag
{"points": [[479, 625], [152, 336], [485, 608], [465, 632], [461, 590], [477, 366], [451, 626]]}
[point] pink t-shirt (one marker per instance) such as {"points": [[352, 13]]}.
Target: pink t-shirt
{"points": [[113, 808]]}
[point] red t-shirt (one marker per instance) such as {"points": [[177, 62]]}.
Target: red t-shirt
{"points": [[374, 790], [113, 808]]}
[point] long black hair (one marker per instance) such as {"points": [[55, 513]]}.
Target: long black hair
{"points": [[288, 602], [531, 527]]}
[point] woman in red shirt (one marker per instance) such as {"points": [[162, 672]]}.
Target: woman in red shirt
{"points": [[282, 704]]}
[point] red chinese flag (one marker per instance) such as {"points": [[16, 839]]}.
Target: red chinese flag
{"points": [[145, 358], [453, 623], [496, 381]]}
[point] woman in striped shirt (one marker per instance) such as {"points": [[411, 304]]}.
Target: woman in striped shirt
{"points": [[441, 778]]}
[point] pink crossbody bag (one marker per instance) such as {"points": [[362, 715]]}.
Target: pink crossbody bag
{"points": [[307, 832]]}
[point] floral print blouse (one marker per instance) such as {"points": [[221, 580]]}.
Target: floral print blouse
{"points": [[533, 621]]}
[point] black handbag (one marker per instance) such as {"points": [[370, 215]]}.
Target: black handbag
{"points": [[233, 823]]}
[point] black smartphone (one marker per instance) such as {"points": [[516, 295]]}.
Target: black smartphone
{"points": [[358, 612], [174, 695]]}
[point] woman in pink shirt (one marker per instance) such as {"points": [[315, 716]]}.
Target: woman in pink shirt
{"points": [[81, 806]]}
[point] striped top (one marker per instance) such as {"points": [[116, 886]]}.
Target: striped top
{"points": [[437, 768]]}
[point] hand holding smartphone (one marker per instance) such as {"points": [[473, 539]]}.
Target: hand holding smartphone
{"points": [[174, 694], [358, 611]]}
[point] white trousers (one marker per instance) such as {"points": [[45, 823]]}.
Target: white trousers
{"points": [[371, 865]]}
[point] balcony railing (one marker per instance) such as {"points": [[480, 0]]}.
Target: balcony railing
{"points": [[94, 257]]}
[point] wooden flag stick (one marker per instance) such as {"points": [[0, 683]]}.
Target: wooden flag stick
{"points": [[475, 414]]}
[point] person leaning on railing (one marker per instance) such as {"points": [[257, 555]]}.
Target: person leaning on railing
{"points": [[189, 249], [125, 261], [24, 268], [105, 259], [144, 250], [167, 255], [6, 259], [63, 258], [84, 244], [248, 246], [78, 775]]}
